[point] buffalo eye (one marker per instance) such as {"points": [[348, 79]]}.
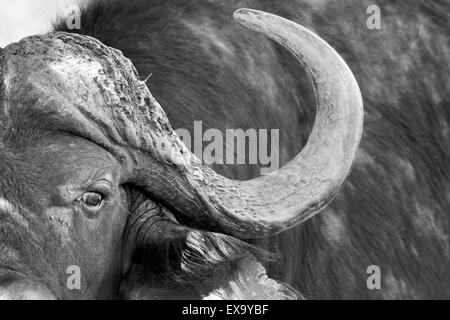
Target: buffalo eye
{"points": [[92, 199]]}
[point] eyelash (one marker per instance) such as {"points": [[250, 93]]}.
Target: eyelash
{"points": [[101, 188]]}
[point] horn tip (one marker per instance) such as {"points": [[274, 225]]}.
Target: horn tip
{"points": [[243, 14]]}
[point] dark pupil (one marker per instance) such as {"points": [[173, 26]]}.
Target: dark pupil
{"points": [[92, 199]]}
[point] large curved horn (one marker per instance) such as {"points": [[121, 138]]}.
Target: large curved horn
{"points": [[294, 193], [85, 88]]}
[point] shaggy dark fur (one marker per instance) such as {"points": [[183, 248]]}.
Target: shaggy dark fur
{"points": [[394, 209], [169, 254]]}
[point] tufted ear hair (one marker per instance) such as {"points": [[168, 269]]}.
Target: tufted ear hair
{"points": [[171, 261]]}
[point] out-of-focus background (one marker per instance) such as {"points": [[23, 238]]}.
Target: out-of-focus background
{"points": [[21, 18]]}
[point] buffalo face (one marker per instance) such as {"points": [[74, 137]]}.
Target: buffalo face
{"points": [[63, 208], [94, 181]]}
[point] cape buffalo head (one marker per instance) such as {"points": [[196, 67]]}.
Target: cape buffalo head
{"points": [[94, 179]]}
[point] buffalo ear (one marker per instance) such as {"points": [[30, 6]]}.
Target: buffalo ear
{"points": [[172, 261], [164, 259]]}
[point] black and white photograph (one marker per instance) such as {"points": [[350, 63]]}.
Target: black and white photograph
{"points": [[210, 150]]}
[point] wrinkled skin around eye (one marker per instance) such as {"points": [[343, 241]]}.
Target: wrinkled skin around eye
{"points": [[77, 218]]}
